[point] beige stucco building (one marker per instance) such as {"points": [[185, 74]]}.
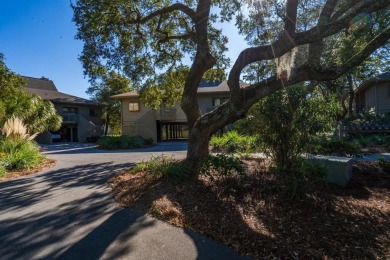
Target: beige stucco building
{"points": [[165, 123], [373, 95]]}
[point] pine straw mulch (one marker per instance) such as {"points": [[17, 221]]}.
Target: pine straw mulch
{"points": [[46, 164], [256, 220]]}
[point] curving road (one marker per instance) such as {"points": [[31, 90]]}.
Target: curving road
{"points": [[67, 212]]}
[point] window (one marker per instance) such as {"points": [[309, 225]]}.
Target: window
{"points": [[69, 110], [134, 106], [92, 112], [219, 101]]}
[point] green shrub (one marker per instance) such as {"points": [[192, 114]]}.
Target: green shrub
{"points": [[164, 166], [287, 120], [121, 142], [221, 167], [299, 177], [383, 163], [233, 142], [93, 139], [337, 148], [3, 170], [149, 141], [20, 154]]}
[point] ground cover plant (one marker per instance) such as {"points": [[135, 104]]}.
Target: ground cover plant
{"points": [[123, 142], [234, 142], [18, 152], [255, 218]]}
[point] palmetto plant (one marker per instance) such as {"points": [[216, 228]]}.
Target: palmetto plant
{"points": [[41, 116]]}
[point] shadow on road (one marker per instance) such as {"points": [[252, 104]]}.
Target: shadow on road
{"points": [[20, 193], [81, 148]]}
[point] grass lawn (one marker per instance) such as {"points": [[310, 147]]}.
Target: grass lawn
{"points": [[46, 164], [255, 219]]}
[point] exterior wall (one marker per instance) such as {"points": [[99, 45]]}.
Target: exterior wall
{"points": [[128, 116], [370, 98], [174, 114], [377, 98], [86, 125], [383, 97], [206, 101], [44, 138], [141, 123]]}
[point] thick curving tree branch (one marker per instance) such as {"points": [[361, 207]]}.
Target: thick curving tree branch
{"points": [[316, 48], [166, 10], [281, 47], [203, 61], [230, 112]]}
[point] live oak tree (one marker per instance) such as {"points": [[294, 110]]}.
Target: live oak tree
{"points": [[149, 39]]}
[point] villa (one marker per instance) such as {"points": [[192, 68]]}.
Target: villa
{"points": [[81, 117], [166, 123]]}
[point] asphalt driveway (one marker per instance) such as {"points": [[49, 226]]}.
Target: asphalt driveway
{"points": [[67, 212]]}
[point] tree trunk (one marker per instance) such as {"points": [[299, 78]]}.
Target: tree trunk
{"points": [[198, 146], [107, 124]]}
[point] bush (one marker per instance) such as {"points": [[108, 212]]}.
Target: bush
{"points": [[300, 177], [121, 142], [336, 148], [220, 167], [149, 141], [164, 166], [384, 164], [233, 142], [3, 170], [93, 139], [287, 120], [20, 154]]}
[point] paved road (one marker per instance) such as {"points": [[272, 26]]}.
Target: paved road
{"points": [[67, 212]]}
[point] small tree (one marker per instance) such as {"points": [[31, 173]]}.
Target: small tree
{"points": [[286, 121], [104, 87]]}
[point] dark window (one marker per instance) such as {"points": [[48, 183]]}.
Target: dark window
{"points": [[69, 110], [388, 91], [92, 112]]}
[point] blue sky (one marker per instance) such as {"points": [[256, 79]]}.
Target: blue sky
{"points": [[37, 39]]}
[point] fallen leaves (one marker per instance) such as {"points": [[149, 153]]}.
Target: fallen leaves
{"points": [[254, 219]]}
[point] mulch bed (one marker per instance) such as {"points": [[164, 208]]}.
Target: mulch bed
{"points": [[46, 164], [255, 219]]}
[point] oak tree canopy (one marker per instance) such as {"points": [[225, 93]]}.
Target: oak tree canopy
{"points": [[291, 41]]}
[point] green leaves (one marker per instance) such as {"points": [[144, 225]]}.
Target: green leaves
{"points": [[39, 115], [104, 86], [286, 120]]}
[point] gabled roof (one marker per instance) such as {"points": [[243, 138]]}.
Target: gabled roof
{"points": [[221, 88], [42, 83], [46, 89], [133, 93], [384, 77]]}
